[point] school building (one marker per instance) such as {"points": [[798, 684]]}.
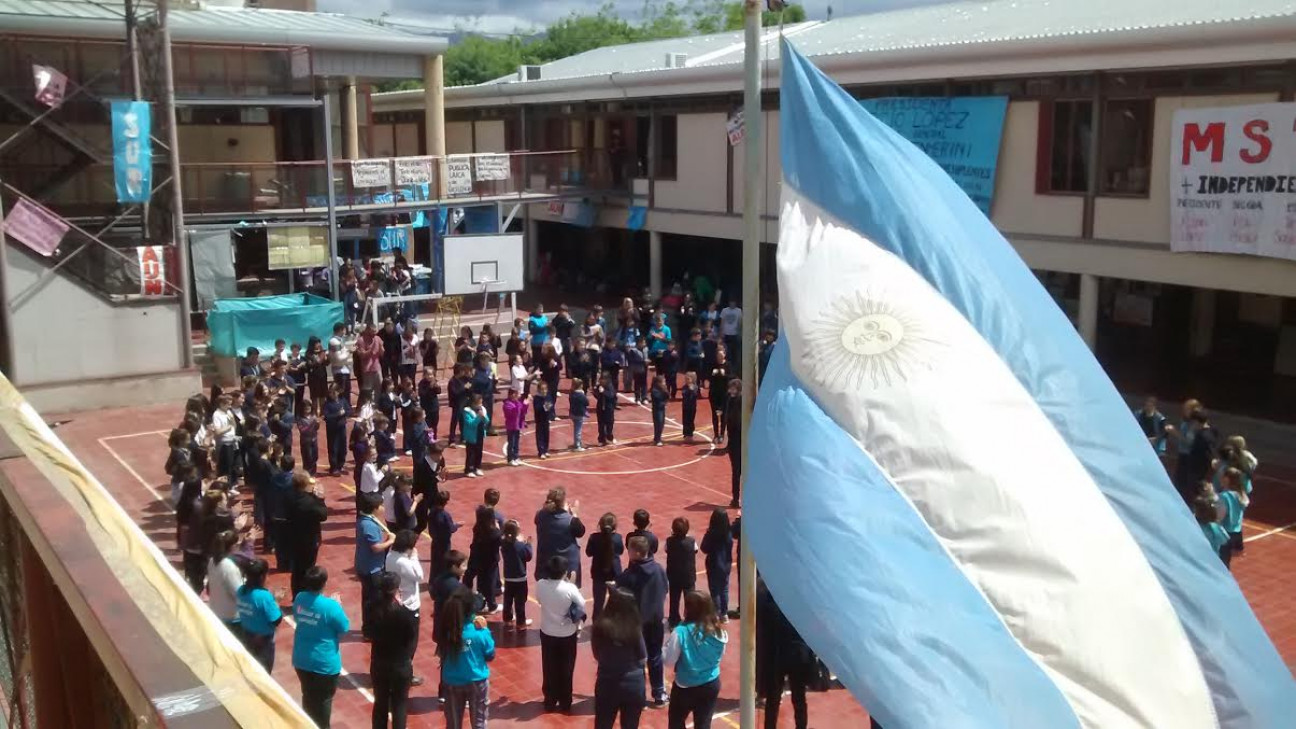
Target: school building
{"points": [[272, 103], [1081, 183]]}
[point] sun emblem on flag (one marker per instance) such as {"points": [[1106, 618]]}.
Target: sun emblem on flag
{"points": [[867, 341]]}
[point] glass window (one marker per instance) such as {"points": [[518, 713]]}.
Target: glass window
{"points": [[1068, 126], [667, 147], [1126, 147]]}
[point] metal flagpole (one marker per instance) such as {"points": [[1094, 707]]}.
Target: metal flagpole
{"points": [[753, 187], [183, 275]]}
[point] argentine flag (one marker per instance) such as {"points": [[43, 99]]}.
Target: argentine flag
{"points": [[946, 494]]}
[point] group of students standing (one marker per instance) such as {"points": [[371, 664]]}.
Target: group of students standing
{"points": [[1211, 472]]}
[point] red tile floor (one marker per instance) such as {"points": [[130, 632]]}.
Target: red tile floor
{"points": [[127, 448]]}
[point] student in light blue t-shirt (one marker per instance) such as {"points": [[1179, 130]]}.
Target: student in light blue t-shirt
{"points": [[320, 624], [694, 649], [465, 647], [259, 614], [1234, 500], [1206, 512]]}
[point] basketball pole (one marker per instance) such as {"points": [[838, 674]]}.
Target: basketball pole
{"points": [[752, 188]]}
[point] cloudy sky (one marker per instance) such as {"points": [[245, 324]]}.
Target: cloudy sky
{"points": [[503, 16]]}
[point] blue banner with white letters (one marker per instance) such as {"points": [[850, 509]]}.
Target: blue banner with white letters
{"points": [[961, 134], [132, 151]]}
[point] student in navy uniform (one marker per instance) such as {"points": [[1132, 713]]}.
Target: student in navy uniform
{"points": [[458, 390], [251, 364], [308, 430], [543, 407], [660, 396], [787, 658], [515, 552], [718, 546], [407, 402], [681, 565], [766, 351], [484, 556], [669, 368], [689, 399], [281, 426], [429, 396], [391, 660], [388, 403], [618, 646], [281, 495], [557, 530], [694, 356], [710, 347], [441, 528], [305, 513], [718, 396], [643, 520], [483, 383], [604, 548], [384, 440], [612, 360], [647, 580], [607, 405], [733, 421], [637, 360], [577, 410]]}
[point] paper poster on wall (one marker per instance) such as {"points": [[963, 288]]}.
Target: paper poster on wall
{"points": [[459, 177], [34, 226], [371, 173], [961, 134], [736, 127], [50, 85], [492, 166], [1233, 180], [152, 270], [132, 151], [413, 170], [297, 246]]}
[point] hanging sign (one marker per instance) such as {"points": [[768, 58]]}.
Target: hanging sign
{"points": [[459, 177], [962, 134], [492, 166], [556, 207], [736, 127], [1233, 180], [50, 85], [394, 237], [298, 246], [132, 151], [371, 173], [152, 270], [413, 170], [34, 226]]}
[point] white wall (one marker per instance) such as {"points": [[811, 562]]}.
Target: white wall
{"points": [[64, 333], [1148, 219], [772, 168], [702, 161], [1017, 208]]}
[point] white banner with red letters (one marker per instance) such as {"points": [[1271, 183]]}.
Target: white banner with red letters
{"points": [[1233, 180], [152, 270]]}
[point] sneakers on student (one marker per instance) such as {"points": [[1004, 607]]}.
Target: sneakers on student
{"points": [[544, 456], [658, 443], [471, 474], [660, 701], [580, 449], [525, 624], [479, 472], [498, 609]]}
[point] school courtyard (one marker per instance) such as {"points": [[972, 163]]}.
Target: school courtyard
{"points": [[126, 448]]}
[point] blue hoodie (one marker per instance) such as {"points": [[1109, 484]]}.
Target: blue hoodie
{"points": [[469, 665], [695, 655]]}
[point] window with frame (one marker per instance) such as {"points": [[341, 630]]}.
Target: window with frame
{"points": [[1066, 126], [1126, 147], [667, 147]]}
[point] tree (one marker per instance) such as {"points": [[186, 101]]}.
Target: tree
{"points": [[477, 59]]}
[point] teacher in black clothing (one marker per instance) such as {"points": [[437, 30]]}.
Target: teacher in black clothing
{"points": [[786, 656], [391, 661], [306, 511], [557, 529], [733, 424]]}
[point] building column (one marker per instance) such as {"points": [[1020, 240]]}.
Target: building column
{"points": [[1088, 317], [350, 119], [655, 263], [532, 248], [1202, 335], [434, 116]]}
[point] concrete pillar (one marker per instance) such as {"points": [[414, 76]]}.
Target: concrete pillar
{"points": [[434, 115], [532, 248], [1202, 335], [350, 119], [1088, 318], [655, 264]]}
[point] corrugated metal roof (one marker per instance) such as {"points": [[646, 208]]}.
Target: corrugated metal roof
{"points": [[957, 23], [219, 25]]}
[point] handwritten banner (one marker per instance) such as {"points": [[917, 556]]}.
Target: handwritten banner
{"points": [[413, 170], [961, 134], [37, 228], [492, 166], [459, 176], [371, 173], [1233, 180]]}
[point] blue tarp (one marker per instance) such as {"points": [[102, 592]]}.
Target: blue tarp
{"points": [[236, 324]]}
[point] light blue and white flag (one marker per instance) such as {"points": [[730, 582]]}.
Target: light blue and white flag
{"points": [[946, 494]]}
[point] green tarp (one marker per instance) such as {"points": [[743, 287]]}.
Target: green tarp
{"points": [[236, 324]]}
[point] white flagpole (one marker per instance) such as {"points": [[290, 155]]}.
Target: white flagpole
{"points": [[753, 189]]}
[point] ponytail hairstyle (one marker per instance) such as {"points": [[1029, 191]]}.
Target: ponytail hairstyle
{"points": [[454, 617], [607, 527]]}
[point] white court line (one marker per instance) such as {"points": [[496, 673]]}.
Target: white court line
{"points": [[287, 618], [1270, 532], [134, 435]]}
